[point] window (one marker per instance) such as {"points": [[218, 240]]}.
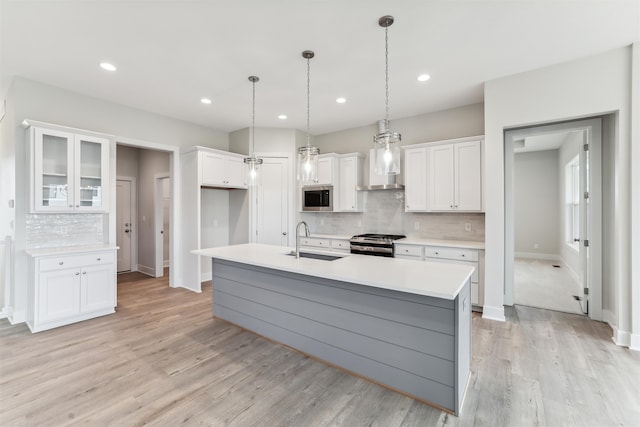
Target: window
{"points": [[572, 203]]}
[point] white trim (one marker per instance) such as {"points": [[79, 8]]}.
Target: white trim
{"points": [[634, 343], [149, 271], [16, 317], [4, 313], [536, 255], [594, 126], [134, 218], [493, 313], [205, 277], [621, 338], [158, 213]]}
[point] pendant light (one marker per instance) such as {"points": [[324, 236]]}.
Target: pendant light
{"points": [[308, 155], [253, 162], [386, 143]]}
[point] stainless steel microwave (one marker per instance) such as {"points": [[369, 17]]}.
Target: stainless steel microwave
{"points": [[317, 198]]}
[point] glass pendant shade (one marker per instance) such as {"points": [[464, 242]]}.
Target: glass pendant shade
{"points": [[308, 164], [387, 143], [253, 162], [387, 150], [308, 155]]}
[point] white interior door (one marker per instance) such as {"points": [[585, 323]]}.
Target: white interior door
{"points": [[123, 224], [161, 220], [272, 202]]}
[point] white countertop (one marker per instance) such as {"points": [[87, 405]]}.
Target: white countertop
{"points": [[445, 243], [434, 279], [65, 250], [331, 236]]}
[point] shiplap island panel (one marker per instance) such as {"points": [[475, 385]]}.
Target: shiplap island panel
{"points": [[389, 320]]}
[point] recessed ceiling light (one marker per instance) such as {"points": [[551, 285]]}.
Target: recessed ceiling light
{"points": [[107, 66], [423, 77], [205, 101], [341, 100], [282, 117]]}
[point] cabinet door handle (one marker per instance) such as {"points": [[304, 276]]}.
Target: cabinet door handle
{"points": [[70, 206], [437, 253], [99, 259], [84, 272], [78, 273], [463, 255], [61, 263]]}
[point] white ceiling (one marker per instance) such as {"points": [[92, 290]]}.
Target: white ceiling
{"points": [[170, 54], [541, 142]]}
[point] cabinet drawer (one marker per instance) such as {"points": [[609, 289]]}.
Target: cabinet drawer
{"points": [[76, 261], [341, 245], [409, 250], [316, 243], [450, 253]]}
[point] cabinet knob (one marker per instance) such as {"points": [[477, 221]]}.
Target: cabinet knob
{"points": [[462, 255], [70, 206], [451, 206], [437, 253], [84, 272], [77, 274], [60, 263], [98, 259], [77, 206]]}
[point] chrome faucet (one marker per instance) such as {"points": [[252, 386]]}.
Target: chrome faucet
{"points": [[306, 233]]}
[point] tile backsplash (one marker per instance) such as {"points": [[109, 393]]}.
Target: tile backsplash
{"points": [[384, 213], [53, 230]]}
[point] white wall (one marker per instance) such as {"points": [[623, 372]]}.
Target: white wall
{"points": [[214, 222], [36, 101], [447, 124], [7, 193], [586, 87], [536, 188]]}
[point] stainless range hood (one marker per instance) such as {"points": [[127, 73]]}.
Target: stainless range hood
{"points": [[379, 182]]}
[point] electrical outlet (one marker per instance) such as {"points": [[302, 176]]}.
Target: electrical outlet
{"points": [[416, 225], [467, 226]]}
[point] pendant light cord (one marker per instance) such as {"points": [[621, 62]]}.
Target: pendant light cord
{"points": [[386, 73], [308, 101], [253, 122]]}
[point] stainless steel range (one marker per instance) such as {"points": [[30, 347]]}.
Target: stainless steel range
{"points": [[374, 244]]}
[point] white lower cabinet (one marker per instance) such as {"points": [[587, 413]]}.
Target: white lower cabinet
{"points": [[451, 255], [326, 244], [69, 288]]}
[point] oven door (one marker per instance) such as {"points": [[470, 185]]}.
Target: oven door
{"points": [[377, 249]]}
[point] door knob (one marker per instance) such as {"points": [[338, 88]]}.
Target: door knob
{"points": [[126, 231]]}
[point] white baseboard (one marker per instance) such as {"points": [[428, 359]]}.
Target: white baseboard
{"points": [[635, 342], [17, 317], [493, 313], [536, 255], [575, 276], [621, 338], [167, 263], [5, 312], [146, 270]]}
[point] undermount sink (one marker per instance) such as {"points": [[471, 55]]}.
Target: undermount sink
{"points": [[313, 255]]}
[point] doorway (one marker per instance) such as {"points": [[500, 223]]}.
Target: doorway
{"points": [[162, 216], [553, 234], [125, 229]]}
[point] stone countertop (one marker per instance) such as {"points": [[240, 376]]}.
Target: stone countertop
{"points": [[433, 279], [444, 243], [69, 250]]}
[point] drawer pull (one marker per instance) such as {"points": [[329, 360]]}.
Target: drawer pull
{"points": [[84, 272], [98, 259], [437, 253], [77, 274], [463, 255], [60, 263]]}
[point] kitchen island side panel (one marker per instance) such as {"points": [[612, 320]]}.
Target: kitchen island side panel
{"points": [[404, 341]]}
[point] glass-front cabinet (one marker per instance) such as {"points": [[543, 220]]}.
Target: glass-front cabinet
{"points": [[70, 172]]}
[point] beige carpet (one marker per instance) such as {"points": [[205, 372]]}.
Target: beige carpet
{"points": [[539, 284]]}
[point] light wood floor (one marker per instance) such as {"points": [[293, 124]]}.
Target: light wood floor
{"points": [[537, 283], [163, 360]]}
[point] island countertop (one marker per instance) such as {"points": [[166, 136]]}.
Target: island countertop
{"points": [[431, 279]]}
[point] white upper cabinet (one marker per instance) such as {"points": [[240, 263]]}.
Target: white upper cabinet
{"points": [[350, 200], [415, 179], [70, 171], [455, 177], [221, 170]]}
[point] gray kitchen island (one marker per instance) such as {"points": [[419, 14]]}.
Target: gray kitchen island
{"points": [[403, 324]]}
